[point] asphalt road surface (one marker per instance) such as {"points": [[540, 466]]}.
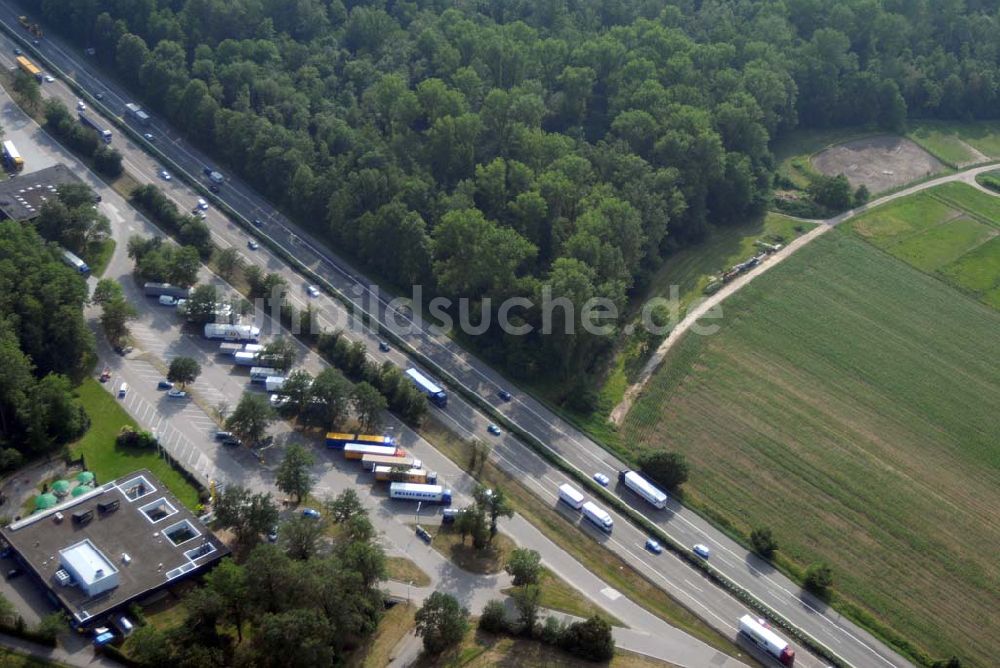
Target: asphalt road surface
{"points": [[853, 644], [185, 429]]}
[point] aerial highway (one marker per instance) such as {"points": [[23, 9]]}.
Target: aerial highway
{"points": [[187, 432], [853, 644]]}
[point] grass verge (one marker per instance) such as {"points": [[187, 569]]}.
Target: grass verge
{"points": [[480, 649], [603, 563], [11, 659], [402, 569], [377, 652], [560, 596], [106, 459], [488, 561]]}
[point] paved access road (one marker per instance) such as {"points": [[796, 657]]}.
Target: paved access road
{"points": [[855, 645], [186, 431]]}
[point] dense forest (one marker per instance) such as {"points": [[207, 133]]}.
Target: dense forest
{"points": [[45, 346], [488, 148]]}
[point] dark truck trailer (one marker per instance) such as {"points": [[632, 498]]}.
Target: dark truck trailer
{"points": [[160, 289]]}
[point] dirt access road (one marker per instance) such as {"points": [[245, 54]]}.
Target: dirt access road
{"points": [[709, 305]]}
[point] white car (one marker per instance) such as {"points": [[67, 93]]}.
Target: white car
{"points": [[81, 106], [312, 290], [177, 394], [165, 175], [167, 300], [601, 479], [202, 204], [148, 136], [278, 400], [49, 78], [252, 244], [702, 551]]}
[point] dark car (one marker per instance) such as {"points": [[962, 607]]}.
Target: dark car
{"points": [[13, 573], [424, 534], [214, 188], [272, 535], [17, 52], [258, 222], [164, 385], [99, 96], [504, 394], [383, 346], [232, 442], [206, 170]]}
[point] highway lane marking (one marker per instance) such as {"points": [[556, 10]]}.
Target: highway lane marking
{"points": [[693, 585]]}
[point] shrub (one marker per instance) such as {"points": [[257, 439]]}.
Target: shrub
{"points": [[591, 640], [763, 542], [819, 579], [494, 617], [669, 469]]}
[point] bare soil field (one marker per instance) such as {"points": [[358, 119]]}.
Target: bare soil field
{"points": [[880, 163]]}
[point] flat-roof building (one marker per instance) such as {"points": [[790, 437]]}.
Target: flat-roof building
{"points": [[22, 197], [100, 551]]}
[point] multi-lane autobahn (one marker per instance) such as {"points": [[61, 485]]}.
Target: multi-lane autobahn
{"points": [[852, 644]]}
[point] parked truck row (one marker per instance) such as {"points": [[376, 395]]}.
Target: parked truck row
{"points": [[390, 463]]}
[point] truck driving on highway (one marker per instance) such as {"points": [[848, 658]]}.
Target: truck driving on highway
{"points": [[571, 496], [437, 396], [643, 488], [92, 123], [758, 632], [598, 516], [246, 333], [29, 68], [409, 491], [134, 111]]}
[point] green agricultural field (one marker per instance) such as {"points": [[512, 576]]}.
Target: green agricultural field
{"points": [[690, 269], [106, 459], [849, 402], [951, 142], [950, 231]]}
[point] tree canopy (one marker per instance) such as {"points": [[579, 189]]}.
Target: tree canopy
{"points": [[482, 149]]}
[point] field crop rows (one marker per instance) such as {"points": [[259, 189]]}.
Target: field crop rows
{"points": [[849, 402], [952, 231]]}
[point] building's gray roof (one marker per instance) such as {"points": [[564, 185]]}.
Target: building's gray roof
{"points": [[141, 549], [22, 196]]}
